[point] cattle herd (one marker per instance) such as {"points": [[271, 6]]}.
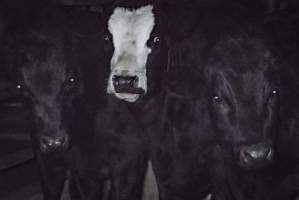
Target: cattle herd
{"points": [[206, 92]]}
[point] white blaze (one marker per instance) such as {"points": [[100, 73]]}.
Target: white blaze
{"points": [[130, 30]]}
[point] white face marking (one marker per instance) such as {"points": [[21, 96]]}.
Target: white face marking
{"points": [[130, 30]]}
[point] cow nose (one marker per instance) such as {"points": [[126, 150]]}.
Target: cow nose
{"points": [[125, 80], [51, 143], [256, 154], [126, 84]]}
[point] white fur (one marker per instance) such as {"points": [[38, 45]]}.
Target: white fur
{"points": [[130, 30]]}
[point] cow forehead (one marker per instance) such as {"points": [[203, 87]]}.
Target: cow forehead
{"points": [[131, 25], [45, 78], [248, 86]]}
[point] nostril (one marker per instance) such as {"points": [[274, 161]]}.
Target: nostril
{"points": [[116, 78], [270, 154], [135, 81], [258, 152], [255, 154], [125, 80], [48, 143], [127, 84]]}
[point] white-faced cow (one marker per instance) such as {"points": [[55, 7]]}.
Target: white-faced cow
{"points": [[134, 42], [134, 53]]}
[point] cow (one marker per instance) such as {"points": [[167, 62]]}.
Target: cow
{"points": [[255, 86], [134, 47], [135, 53], [109, 144], [180, 150], [220, 116], [40, 56], [244, 106]]}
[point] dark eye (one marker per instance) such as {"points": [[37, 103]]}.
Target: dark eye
{"points": [[23, 90], [108, 45], [156, 40], [275, 92], [217, 99], [107, 38], [72, 80], [19, 86]]}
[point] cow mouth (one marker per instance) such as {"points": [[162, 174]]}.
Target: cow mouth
{"points": [[127, 85], [126, 89]]}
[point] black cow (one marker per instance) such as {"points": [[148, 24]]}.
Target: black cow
{"points": [[41, 57], [244, 89], [244, 106], [239, 91], [48, 76], [182, 147]]}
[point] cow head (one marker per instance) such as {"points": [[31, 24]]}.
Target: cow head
{"points": [[133, 42], [50, 82], [244, 97]]}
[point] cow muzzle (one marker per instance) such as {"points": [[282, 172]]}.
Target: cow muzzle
{"points": [[128, 86], [257, 155], [50, 144]]}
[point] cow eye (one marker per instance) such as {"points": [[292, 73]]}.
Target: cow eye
{"points": [[19, 86], [107, 42], [156, 40], [275, 92], [72, 80], [23, 90], [217, 99], [107, 38]]}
